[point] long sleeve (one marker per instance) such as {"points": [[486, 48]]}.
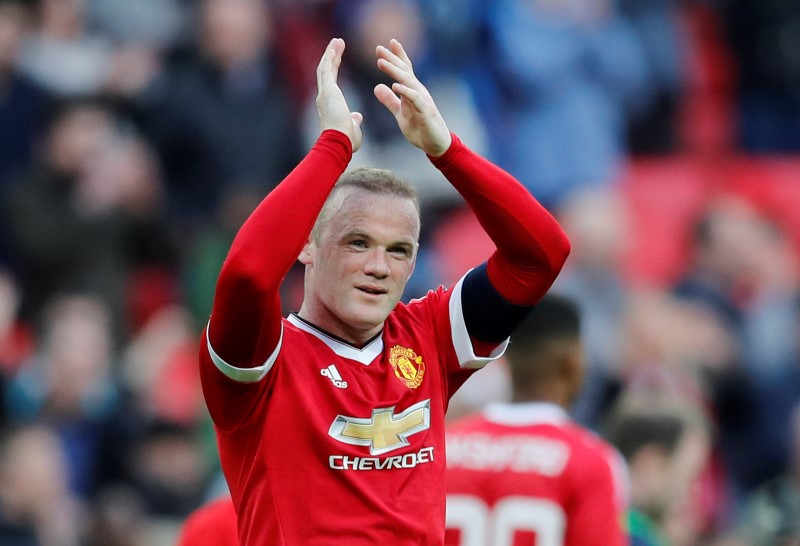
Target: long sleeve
{"points": [[245, 323], [531, 246]]}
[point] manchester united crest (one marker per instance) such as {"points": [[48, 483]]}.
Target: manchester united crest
{"points": [[408, 367]]}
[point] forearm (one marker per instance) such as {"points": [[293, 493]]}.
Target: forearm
{"points": [[246, 307], [531, 246]]}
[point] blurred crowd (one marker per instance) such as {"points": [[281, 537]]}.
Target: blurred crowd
{"points": [[135, 137]]}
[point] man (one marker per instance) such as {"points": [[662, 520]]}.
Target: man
{"points": [[666, 446], [330, 423], [523, 469]]}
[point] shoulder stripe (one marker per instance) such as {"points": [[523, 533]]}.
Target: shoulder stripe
{"points": [[243, 375]]}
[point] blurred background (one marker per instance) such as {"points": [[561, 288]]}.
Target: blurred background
{"points": [[135, 137]]}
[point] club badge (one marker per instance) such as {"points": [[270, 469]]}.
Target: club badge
{"points": [[408, 367]]}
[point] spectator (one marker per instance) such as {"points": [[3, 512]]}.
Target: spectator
{"points": [[63, 55], [772, 514], [222, 119], [665, 443], [652, 126], [527, 457], [23, 103], [168, 470], [88, 212], [765, 39], [597, 221], [68, 385], [23, 106], [567, 72], [36, 507], [745, 270], [369, 22]]}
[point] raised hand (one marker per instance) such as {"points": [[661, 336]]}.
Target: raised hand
{"points": [[410, 102], [332, 108]]}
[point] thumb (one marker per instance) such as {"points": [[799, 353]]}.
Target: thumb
{"points": [[357, 135]]}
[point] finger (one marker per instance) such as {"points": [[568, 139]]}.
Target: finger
{"points": [[338, 48], [327, 69], [391, 57], [387, 98], [396, 73], [412, 96], [324, 69], [358, 118], [397, 48]]}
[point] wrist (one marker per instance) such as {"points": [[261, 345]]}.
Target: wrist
{"points": [[441, 148], [444, 157]]}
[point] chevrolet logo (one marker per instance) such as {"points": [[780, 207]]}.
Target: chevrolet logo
{"points": [[384, 431]]}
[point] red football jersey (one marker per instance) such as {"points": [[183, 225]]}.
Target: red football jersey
{"points": [[340, 445], [524, 474]]}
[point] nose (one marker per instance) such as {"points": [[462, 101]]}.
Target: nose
{"points": [[377, 265]]}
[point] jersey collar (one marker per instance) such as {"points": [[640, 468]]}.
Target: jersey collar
{"points": [[527, 413], [364, 355]]}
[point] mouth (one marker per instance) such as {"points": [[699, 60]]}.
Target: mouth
{"points": [[372, 290]]}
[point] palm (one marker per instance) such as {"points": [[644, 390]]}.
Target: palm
{"points": [[411, 103]]}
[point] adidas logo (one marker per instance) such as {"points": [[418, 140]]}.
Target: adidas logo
{"points": [[333, 374]]}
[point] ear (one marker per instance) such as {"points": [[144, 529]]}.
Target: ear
{"points": [[571, 366], [306, 255]]}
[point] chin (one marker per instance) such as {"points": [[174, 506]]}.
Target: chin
{"points": [[366, 317]]}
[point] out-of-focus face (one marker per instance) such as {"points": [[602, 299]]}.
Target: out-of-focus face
{"points": [[78, 137], [382, 20], [13, 23], [358, 267], [235, 32]]}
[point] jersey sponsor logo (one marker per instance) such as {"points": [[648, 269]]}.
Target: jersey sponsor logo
{"points": [[409, 460], [408, 367], [384, 431], [333, 374]]}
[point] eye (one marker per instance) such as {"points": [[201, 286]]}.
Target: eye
{"points": [[403, 251], [358, 243]]}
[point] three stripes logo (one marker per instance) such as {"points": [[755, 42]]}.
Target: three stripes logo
{"points": [[333, 374]]}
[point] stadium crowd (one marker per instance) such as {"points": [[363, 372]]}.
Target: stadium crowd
{"points": [[135, 137]]}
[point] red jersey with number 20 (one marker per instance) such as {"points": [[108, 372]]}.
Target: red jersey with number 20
{"points": [[524, 474], [341, 445]]}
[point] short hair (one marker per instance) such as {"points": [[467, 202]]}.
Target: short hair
{"points": [[534, 348], [650, 419], [371, 179], [555, 316]]}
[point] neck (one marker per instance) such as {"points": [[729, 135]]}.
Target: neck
{"points": [[544, 392], [338, 329]]}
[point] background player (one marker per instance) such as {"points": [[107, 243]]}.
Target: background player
{"points": [[213, 524], [331, 423], [524, 469]]}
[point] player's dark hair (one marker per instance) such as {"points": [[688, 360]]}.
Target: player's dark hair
{"points": [[553, 317], [538, 345]]}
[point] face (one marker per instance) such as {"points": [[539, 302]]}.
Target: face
{"points": [[358, 266]]}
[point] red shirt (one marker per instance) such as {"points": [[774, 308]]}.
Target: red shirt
{"points": [[323, 443], [344, 442], [525, 474]]}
